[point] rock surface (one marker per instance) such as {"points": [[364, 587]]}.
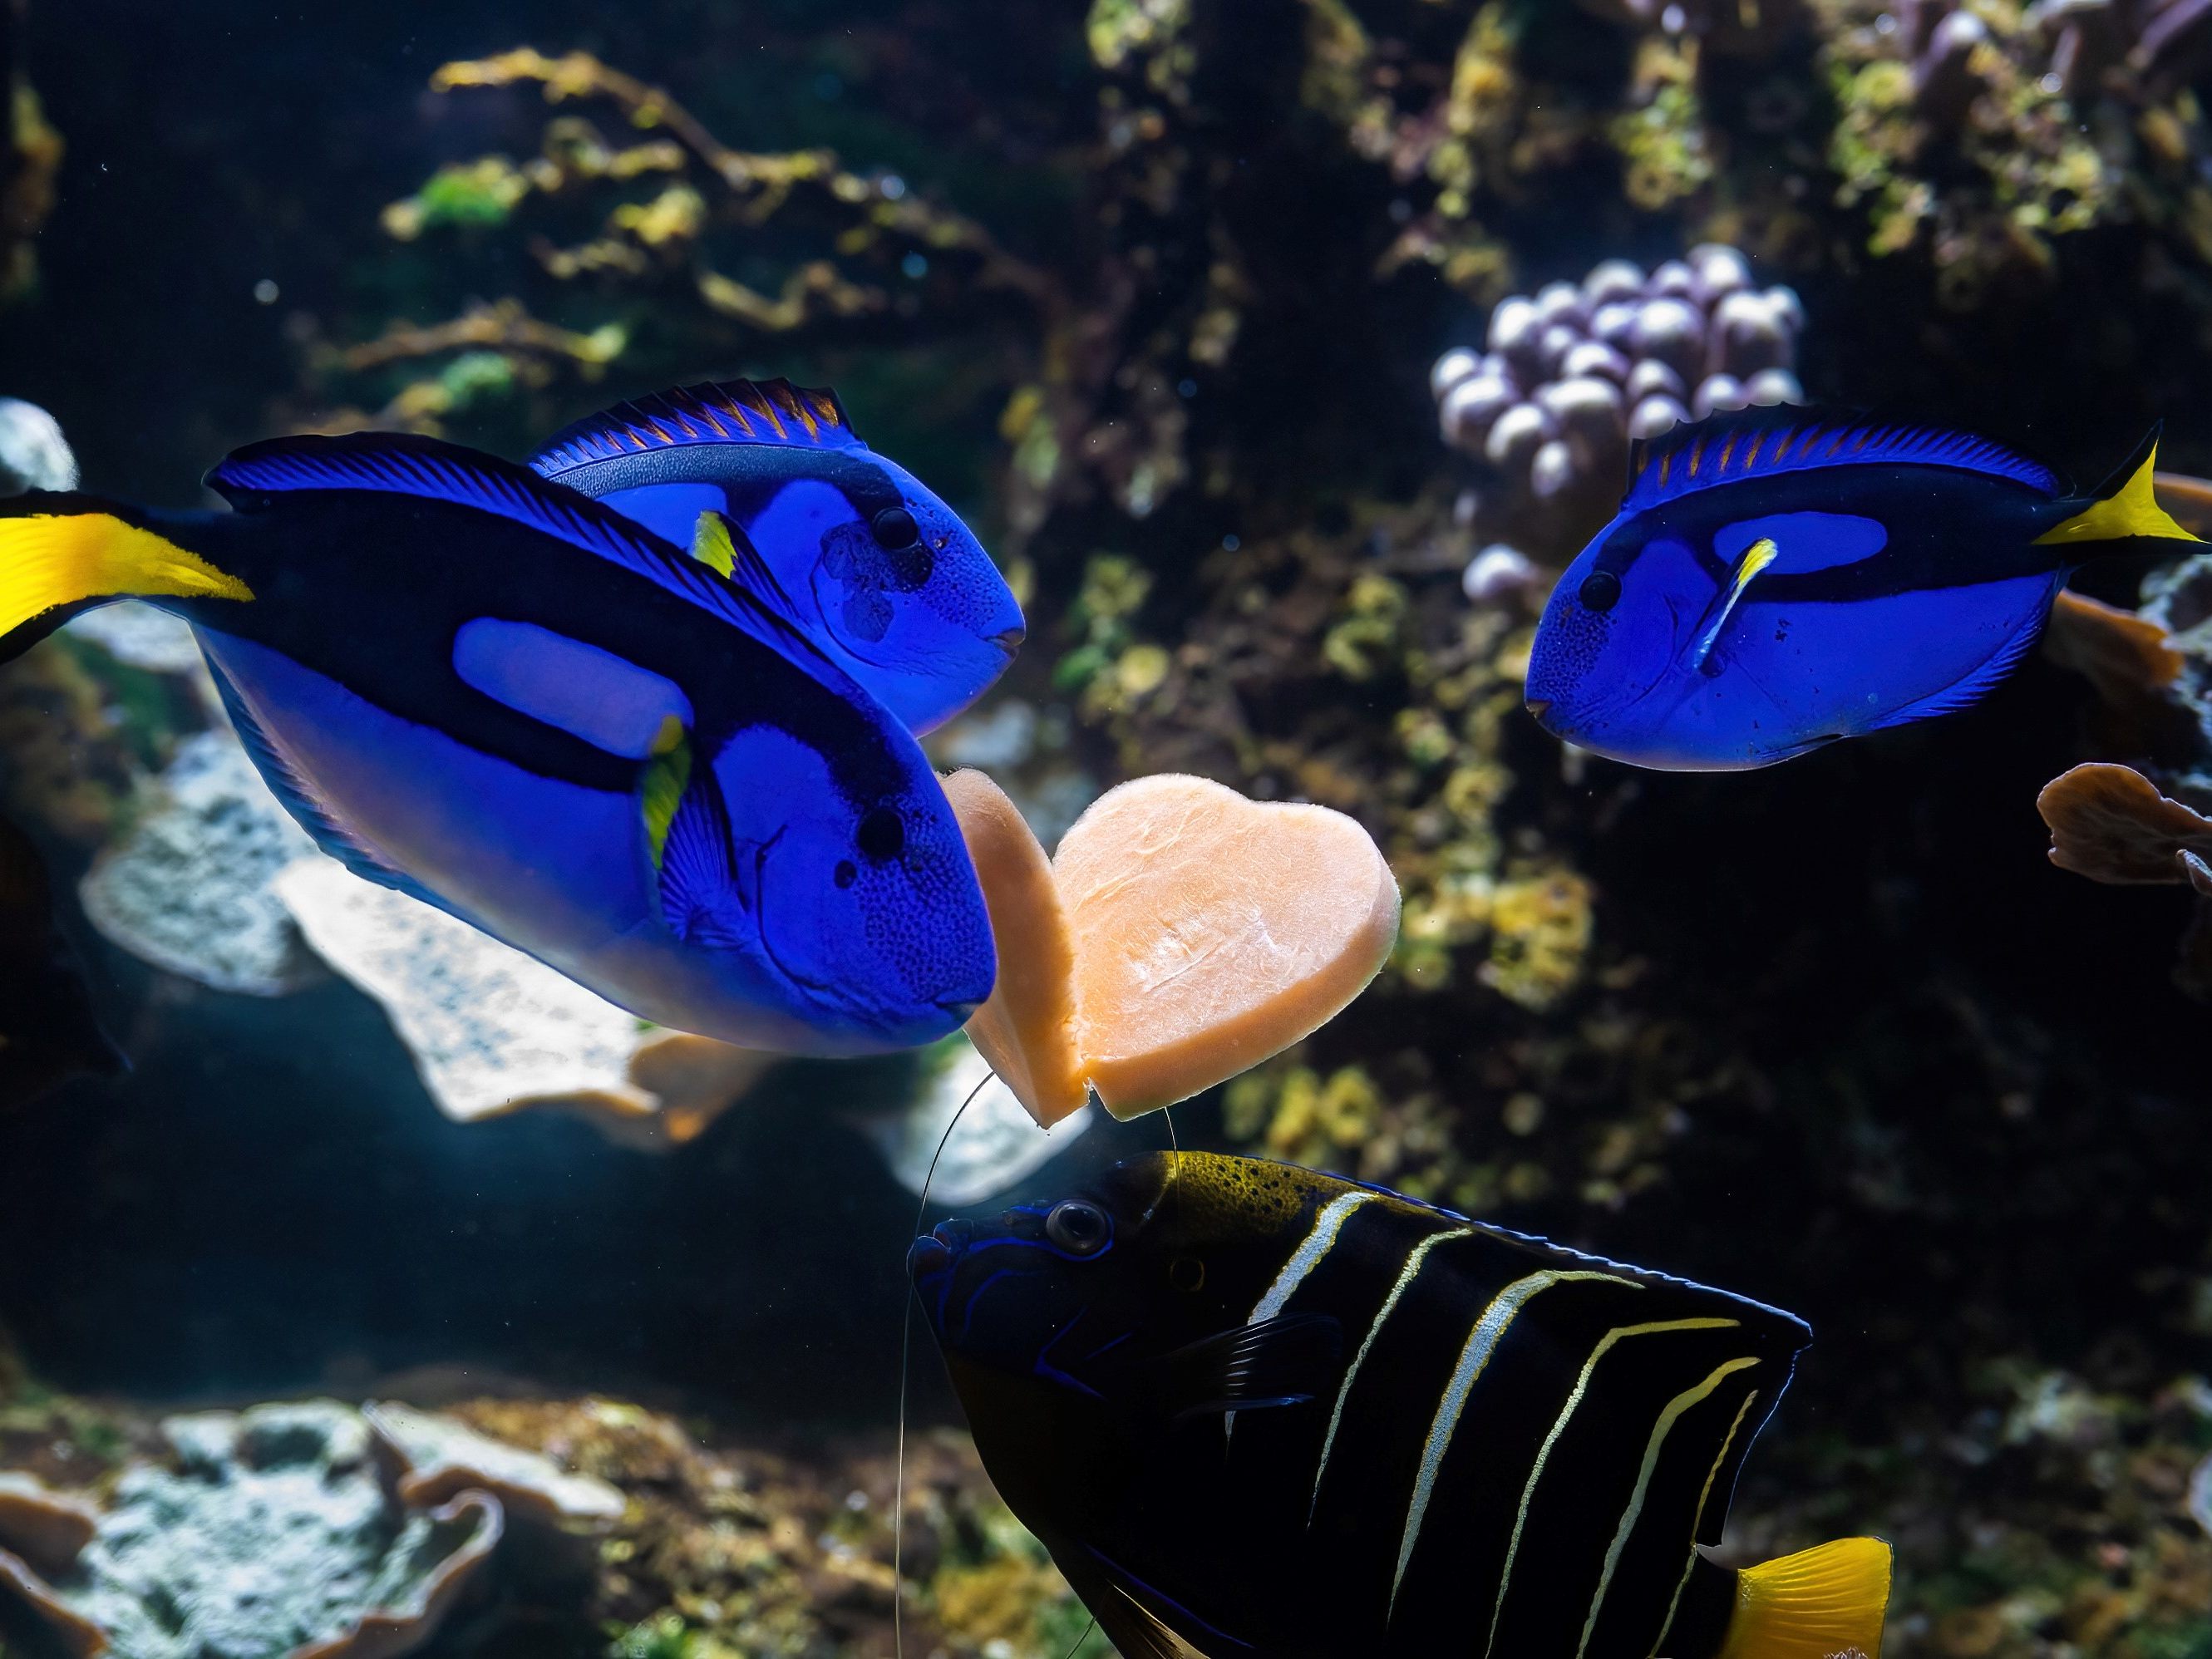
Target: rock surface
{"points": [[996, 1146], [273, 1535], [493, 1030], [190, 889]]}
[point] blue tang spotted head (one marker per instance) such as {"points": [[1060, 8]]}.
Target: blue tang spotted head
{"points": [[1778, 580], [858, 552]]}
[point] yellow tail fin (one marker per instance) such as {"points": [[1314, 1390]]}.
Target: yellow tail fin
{"points": [[49, 561], [2131, 510], [1817, 1604]]}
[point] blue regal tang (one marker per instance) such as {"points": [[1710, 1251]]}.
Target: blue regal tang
{"points": [[1777, 580], [854, 550], [489, 691]]}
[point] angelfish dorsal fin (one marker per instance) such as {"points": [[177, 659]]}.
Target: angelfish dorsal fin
{"points": [[711, 413]]}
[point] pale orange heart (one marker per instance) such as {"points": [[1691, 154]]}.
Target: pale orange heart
{"points": [[1027, 1028], [1205, 932]]}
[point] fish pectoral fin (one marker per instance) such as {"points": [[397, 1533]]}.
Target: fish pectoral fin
{"points": [[1284, 1361], [1125, 1612], [703, 899], [1756, 557], [725, 548]]}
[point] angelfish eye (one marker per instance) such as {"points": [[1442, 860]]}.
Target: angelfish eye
{"points": [[1077, 1227], [881, 835], [1600, 591], [894, 529]]}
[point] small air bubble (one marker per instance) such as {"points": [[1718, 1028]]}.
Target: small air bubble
{"points": [[1187, 387], [1885, 24], [264, 292], [915, 266], [892, 186], [2052, 83], [1230, 544]]}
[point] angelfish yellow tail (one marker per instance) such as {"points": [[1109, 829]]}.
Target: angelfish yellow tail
{"points": [[2129, 511], [1820, 1603], [53, 563]]}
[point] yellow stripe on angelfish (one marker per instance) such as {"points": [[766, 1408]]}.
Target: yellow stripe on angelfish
{"points": [[711, 546], [1756, 557]]}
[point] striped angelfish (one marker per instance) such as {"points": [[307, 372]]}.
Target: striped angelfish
{"points": [[1254, 1410]]}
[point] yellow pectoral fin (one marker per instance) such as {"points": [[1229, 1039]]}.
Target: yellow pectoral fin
{"points": [[1756, 557], [2132, 510], [52, 560], [666, 774], [711, 544]]}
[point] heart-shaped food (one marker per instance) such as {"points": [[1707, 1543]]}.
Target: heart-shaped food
{"points": [[1027, 1028], [1204, 932]]}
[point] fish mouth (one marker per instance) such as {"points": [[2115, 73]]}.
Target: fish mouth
{"points": [[937, 1250], [1538, 707], [928, 1256], [1009, 640]]}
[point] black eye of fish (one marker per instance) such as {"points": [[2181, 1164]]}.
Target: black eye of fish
{"points": [[882, 835], [894, 529], [1600, 591], [1079, 1228], [1186, 1273], [846, 872]]}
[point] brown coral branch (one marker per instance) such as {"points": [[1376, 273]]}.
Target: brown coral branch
{"points": [[504, 326], [761, 183], [814, 289]]}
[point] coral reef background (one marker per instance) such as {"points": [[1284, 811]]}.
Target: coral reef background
{"points": [[1153, 291]]}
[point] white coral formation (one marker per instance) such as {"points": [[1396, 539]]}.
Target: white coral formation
{"points": [[1570, 375], [493, 1031], [274, 1534]]}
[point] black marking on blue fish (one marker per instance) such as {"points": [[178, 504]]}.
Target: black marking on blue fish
{"points": [[369, 588], [300, 797], [426, 469]]}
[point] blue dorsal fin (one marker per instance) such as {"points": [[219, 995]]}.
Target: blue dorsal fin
{"points": [[1759, 442], [713, 412], [403, 463]]}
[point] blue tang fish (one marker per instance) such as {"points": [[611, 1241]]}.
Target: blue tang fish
{"points": [[1774, 581], [493, 693], [855, 551]]}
